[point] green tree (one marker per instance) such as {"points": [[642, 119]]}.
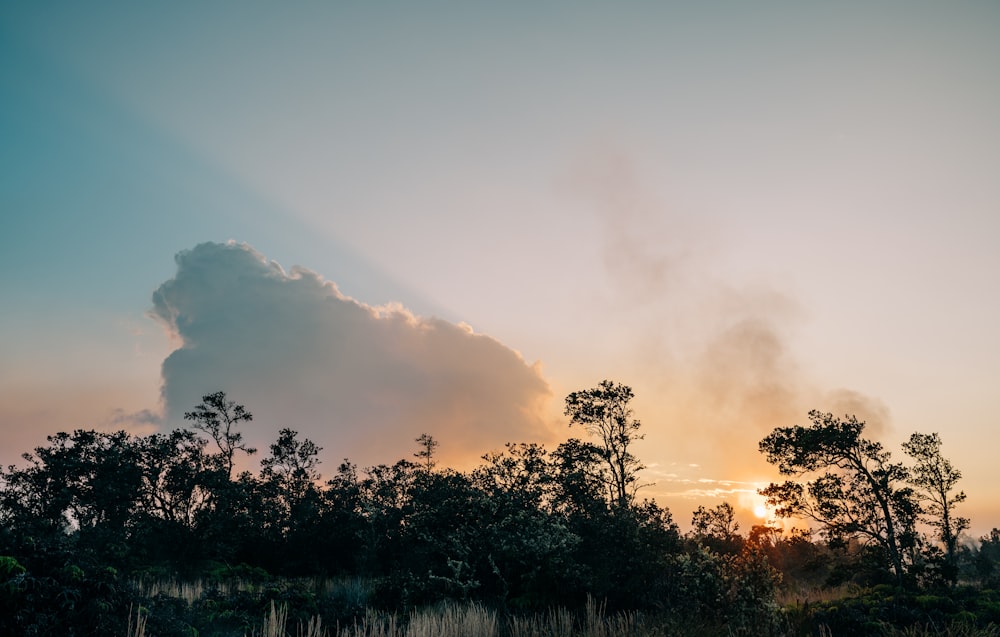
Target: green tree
{"points": [[441, 543], [935, 478], [604, 413], [219, 417], [528, 559], [85, 484], [718, 528], [856, 492]]}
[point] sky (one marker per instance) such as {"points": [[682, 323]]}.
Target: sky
{"points": [[368, 221]]}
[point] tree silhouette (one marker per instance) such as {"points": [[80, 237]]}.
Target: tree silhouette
{"points": [[426, 453], [218, 417], [293, 462], [858, 492], [289, 479], [718, 522], [935, 478], [605, 413]]}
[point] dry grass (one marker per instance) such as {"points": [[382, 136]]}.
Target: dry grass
{"points": [[473, 620], [276, 622], [138, 629], [469, 620], [188, 590], [953, 629], [799, 595]]}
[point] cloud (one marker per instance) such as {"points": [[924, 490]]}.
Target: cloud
{"points": [[360, 381]]}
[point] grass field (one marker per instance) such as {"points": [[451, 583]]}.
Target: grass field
{"points": [[477, 620]]}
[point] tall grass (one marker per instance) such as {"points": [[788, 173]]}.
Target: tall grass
{"points": [[468, 620], [798, 595], [474, 620], [952, 629], [276, 621], [138, 629]]}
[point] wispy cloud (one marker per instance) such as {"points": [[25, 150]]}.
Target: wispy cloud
{"points": [[361, 381]]}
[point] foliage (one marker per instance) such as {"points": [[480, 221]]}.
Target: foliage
{"points": [[218, 417], [717, 528], [426, 453], [526, 533], [605, 414], [856, 492], [935, 478], [887, 610]]}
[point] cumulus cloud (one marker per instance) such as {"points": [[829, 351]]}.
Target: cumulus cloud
{"points": [[360, 381]]}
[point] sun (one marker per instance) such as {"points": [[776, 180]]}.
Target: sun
{"points": [[755, 502]]}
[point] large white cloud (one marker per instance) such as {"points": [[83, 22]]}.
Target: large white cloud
{"points": [[361, 381]]}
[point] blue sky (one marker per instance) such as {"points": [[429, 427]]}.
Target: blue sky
{"points": [[744, 211]]}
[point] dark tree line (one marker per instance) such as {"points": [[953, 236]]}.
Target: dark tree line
{"points": [[528, 528]]}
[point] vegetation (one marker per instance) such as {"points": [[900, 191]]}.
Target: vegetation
{"points": [[111, 533], [935, 479]]}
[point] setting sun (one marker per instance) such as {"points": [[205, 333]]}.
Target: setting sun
{"points": [[753, 501]]}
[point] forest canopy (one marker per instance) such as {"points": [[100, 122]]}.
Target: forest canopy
{"points": [[529, 528]]}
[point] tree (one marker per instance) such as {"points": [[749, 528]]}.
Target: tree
{"points": [[718, 528], [80, 482], [858, 492], [605, 413], [529, 546], [523, 473], [293, 503], [935, 478], [218, 417], [176, 476], [987, 558], [293, 462], [579, 478], [426, 453], [441, 547], [718, 522], [382, 495]]}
